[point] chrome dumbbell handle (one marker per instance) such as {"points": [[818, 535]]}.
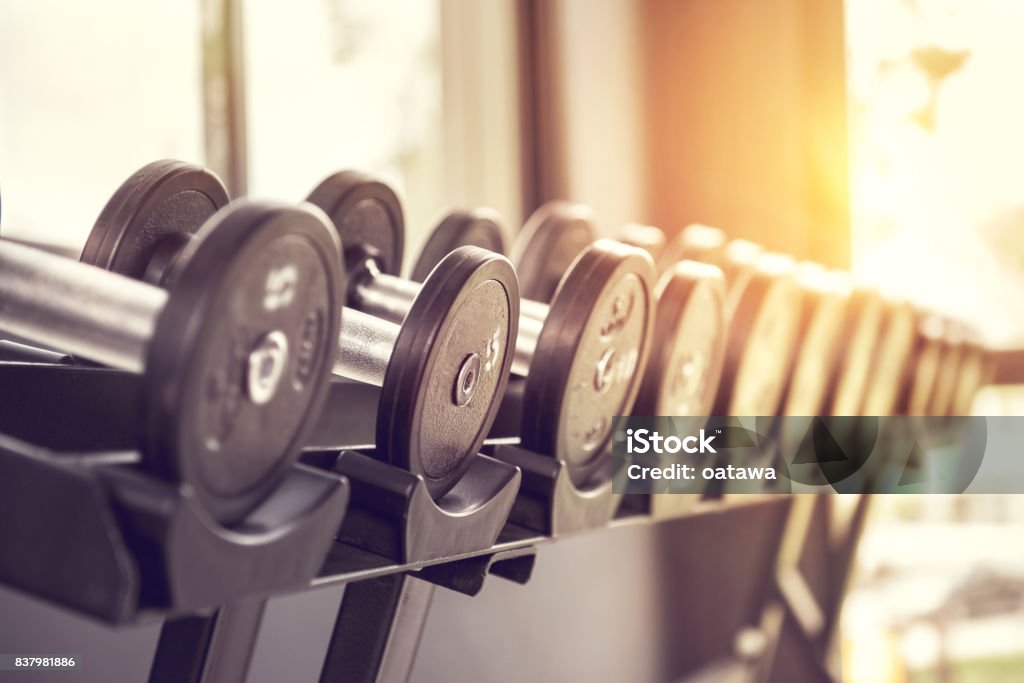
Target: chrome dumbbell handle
{"points": [[80, 309], [389, 297], [365, 346]]}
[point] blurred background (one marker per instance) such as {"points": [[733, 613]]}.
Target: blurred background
{"points": [[883, 136]]}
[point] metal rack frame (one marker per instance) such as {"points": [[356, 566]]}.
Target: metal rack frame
{"points": [[163, 548]]}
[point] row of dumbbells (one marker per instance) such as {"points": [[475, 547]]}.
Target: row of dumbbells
{"points": [[238, 314], [788, 337], [843, 348]]}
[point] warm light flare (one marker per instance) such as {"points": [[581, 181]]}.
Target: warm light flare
{"points": [[936, 159]]}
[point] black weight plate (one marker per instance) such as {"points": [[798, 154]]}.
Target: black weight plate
{"points": [[459, 228], [468, 305], [892, 360], [253, 273], [646, 237], [865, 317], [822, 320], [163, 200], [367, 215], [590, 356], [552, 238], [762, 339], [690, 327]]}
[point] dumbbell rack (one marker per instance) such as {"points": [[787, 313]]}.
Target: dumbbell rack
{"points": [[82, 528]]}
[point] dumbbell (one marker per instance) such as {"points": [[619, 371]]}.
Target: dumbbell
{"points": [[440, 385], [736, 257], [765, 304], [892, 359], [235, 358], [854, 348], [691, 328], [551, 239], [822, 323], [703, 243], [458, 228], [462, 228], [837, 338], [690, 323], [558, 231], [683, 374], [582, 356], [842, 389], [762, 339], [825, 297], [451, 363], [861, 334], [837, 333], [866, 380]]}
